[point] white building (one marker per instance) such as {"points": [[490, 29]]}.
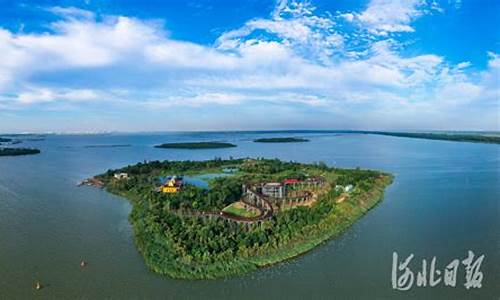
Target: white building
{"points": [[347, 189], [273, 189], [121, 175]]}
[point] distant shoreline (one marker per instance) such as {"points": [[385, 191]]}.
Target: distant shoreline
{"points": [[472, 138], [196, 145], [489, 137], [281, 140], [108, 146]]}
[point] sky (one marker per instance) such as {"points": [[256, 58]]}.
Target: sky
{"points": [[95, 65]]}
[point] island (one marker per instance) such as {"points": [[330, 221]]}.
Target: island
{"points": [[252, 213], [456, 137], [196, 145], [5, 140], [281, 140], [18, 151]]}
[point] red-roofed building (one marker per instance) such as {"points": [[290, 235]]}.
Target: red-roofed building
{"points": [[291, 181]]}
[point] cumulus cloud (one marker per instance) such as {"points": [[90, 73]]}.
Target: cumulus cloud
{"points": [[294, 24], [383, 17], [296, 57], [43, 95]]}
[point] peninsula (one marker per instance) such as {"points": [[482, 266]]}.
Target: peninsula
{"points": [[18, 151], [281, 140], [196, 145], [259, 213], [455, 137]]}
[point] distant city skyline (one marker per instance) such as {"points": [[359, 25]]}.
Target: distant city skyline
{"points": [[152, 66]]}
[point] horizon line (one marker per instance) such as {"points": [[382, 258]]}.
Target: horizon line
{"points": [[246, 131]]}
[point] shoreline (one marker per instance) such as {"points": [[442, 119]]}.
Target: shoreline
{"points": [[301, 248], [338, 220], [328, 237]]}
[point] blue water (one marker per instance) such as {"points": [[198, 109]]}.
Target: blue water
{"points": [[443, 202], [203, 180]]}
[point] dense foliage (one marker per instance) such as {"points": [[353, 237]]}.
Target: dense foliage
{"points": [[17, 151], [186, 246], [196, 145], [281, 140]]}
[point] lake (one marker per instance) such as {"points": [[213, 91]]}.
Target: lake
{"points": [[445, 200]]}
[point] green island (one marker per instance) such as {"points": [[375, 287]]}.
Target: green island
{"points": [[281, 140], [18, 151], [196, 145], [475, 138], [258, 212]]}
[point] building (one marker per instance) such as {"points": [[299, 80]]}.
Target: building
{"points": [[121, 175], [273, 189], [315, 181], [172, 185], [347, 189], [291, 181]]}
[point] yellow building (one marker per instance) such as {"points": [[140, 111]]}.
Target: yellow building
{"points": [[172, 186], [169, 189]]}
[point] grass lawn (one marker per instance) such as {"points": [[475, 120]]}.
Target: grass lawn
{"points": [[238, 209]]}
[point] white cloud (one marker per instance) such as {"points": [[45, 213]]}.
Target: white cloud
{"points": [[383, 17], [293, 58], [294, 24], [348, 16], [71, 12], [464, 65], [37, 95]]}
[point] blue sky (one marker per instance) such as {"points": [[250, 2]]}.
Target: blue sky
{"points": [[91, 65]]}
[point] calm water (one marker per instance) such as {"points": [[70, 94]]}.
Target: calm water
{"points": [[444, 201]]}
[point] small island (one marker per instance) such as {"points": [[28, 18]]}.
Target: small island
{"points": [[196, 145], [5, 140], [18, 151], [252, 213], [281, 140]]}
